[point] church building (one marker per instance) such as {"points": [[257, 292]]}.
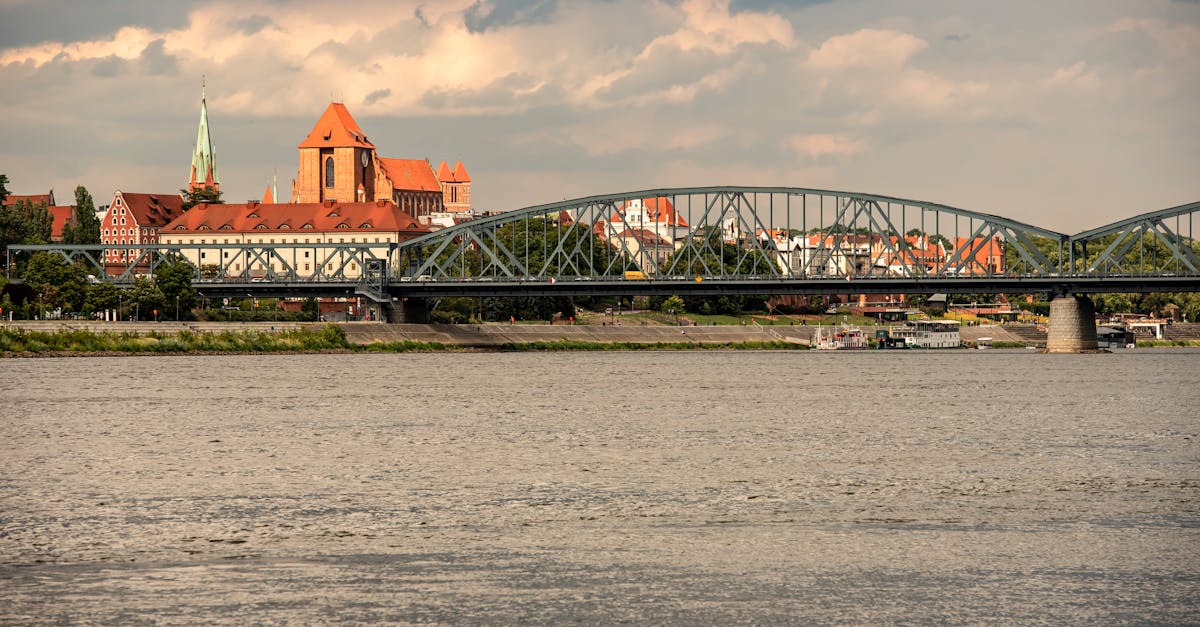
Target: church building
{"points": [[339, 163], [204, 157]]}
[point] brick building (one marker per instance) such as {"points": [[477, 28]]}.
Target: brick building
{"points": [[135, 218], [339, 163]]}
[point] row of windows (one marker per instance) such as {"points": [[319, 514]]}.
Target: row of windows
{"points": [[341, 240], [115, 232]]}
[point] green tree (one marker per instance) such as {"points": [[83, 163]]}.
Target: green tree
{"points": [[3, 188], [24, 222], [174, 281], [86, 229], [59, 284], [210, 195], [101, 296], [309, 309], [144, 298], [674, 304]]}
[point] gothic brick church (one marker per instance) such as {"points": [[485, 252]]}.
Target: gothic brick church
{"points": [[338, 162]]}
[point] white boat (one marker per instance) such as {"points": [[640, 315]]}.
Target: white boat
{"points": [[929, 334], [839, 338]]}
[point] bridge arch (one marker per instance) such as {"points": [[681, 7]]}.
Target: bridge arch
{"points": [[1156, 242], [781, 231]]}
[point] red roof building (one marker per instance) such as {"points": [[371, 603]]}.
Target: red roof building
{"points": [[60, 215], [135, 218], [293, 230], [339, 163]]}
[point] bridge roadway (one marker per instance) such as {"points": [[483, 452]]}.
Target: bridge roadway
{"points": [[592, 286]]}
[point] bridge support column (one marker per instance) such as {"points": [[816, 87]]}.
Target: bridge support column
{"points": [[413, 310], [1072, 325]]}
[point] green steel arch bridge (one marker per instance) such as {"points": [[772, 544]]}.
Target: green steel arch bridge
{"points": [[695, 241]]}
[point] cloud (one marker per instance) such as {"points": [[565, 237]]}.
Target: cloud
{"points": [[866, 48], [825, 145], [155, 61], [483, 15], [251, 24], [590, 96]]}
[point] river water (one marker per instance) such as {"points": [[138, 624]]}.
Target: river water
{"points": [[667, 487]]}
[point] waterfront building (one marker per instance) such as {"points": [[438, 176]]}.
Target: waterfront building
{"points": [[136, 218], [295, 231], [338, 163]]}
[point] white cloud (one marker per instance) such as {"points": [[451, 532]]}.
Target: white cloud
{"points": [[867, 48], [826, 145]]}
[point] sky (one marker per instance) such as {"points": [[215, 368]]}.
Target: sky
{"points": [[1067, 114]]}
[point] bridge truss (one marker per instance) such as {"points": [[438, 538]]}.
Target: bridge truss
{"points": [[698, 240]]}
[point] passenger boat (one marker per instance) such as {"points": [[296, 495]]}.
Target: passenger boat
{"points": [[929, 334], [839, 338]]}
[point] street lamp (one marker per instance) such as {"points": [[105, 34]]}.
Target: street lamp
{"points": [[177, 308]]}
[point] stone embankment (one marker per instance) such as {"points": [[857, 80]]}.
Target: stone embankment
{"points": [[486, 335]]}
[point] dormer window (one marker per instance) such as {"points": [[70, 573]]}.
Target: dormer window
{"points": [[181, 228], [284, 226], [252, 215], [307, 226], [365, 225], [261, 227], [226, 227], [343, 225], [203, 227]]}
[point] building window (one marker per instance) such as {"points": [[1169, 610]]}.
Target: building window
{"points": [[328, 171], [306, 267]]}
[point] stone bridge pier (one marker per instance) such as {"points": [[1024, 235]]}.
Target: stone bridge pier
{"points": [[1072, 325]]}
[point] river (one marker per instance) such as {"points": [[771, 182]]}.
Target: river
{"points": [[647, 487]]}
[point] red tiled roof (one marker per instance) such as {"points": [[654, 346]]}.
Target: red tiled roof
{"points": [[378, 216], [460, 173], [35, 199], [153, 210], [60, 215], [268, 197], [648, 238], [657, 210], [336, 129], [443, 172], [410, 174]]}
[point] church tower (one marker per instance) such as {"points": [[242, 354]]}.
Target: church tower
{"points": [[204, 158], [337, 162]]}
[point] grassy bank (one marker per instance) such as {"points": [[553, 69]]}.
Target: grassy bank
{"points": [[17, 342]]}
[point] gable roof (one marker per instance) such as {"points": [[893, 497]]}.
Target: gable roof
{"points": [[336, 128], [658, 210], [60, 216], [410, 174], [460, 173], [34, 199], [379, 216], [152, 210]]}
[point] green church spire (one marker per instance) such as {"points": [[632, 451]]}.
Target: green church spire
{"points": [[204, 157]]}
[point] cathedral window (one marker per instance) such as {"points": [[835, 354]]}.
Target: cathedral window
{"points": [[328, 171]]}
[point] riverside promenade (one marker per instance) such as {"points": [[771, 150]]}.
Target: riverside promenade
{"points": [[500, 334]]}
